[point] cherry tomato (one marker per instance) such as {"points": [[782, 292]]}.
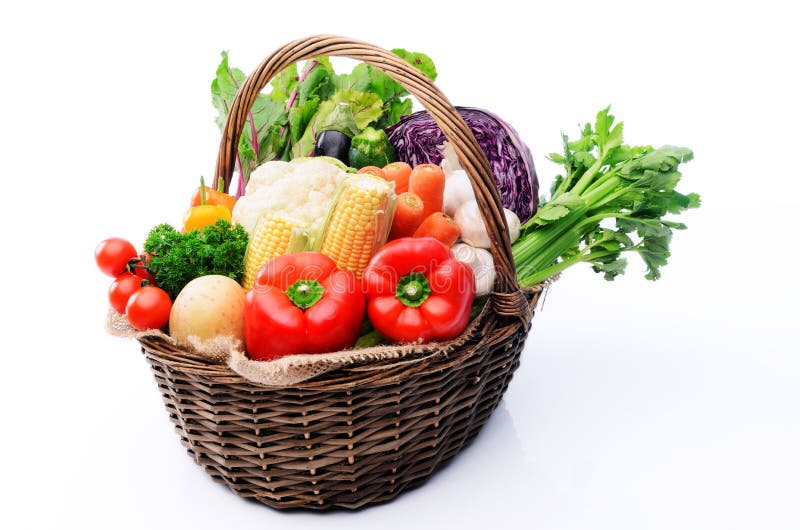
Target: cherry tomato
{"points": [[148, 308], [121, 290], [112, 255]]}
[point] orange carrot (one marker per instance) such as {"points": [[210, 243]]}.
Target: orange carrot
{"points": [[398, 173], [407, 215], [440, 226], [374, 170], [427, 181]]}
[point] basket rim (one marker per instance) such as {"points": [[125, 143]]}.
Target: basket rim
{"points": [[418, 359]]}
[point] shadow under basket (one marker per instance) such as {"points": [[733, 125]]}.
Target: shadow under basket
{"points": [[364, 433]]}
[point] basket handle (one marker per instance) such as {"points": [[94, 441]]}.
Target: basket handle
{"points": [[506, 297]]}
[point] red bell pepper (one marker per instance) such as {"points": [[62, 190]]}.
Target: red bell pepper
{"points": [[417, 291], [301, 303]]}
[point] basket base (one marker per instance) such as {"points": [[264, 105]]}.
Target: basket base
{"points": [[340, 446], [353, 500]]}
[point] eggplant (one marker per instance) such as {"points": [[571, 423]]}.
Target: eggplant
{"points": [[334, 144]]}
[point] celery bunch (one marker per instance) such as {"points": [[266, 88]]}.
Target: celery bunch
{"points": [[612, 199]]}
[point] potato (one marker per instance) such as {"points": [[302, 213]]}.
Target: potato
{"points": [[208, 307]]}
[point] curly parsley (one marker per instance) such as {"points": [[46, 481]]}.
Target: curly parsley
{"points": [[176, 258]]}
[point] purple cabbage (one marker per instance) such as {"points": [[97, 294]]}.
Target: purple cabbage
{"points": [[418, 140]]}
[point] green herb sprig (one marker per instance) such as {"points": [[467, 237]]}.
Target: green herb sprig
{"points": [[177, 258], [606, 182]]}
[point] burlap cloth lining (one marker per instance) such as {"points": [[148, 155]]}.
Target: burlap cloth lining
{"points": [[293, 369]]}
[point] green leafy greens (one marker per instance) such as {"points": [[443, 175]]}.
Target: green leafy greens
{"points": [[177, 258], [605, 181], [285, 120]]}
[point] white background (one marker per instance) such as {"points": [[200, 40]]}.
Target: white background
{"points": [[638, 405]]}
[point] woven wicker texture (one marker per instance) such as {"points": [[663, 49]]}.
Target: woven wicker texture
{"points": [[361, 434]]}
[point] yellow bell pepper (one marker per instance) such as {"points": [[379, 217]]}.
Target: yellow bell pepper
{"points": [[204, 215]]}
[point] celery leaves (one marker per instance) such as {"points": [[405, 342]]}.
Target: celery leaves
{"points": [[611, 199]]}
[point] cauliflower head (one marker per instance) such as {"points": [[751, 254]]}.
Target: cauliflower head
{"points": [[301, 189]]}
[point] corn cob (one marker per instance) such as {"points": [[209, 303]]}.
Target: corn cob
{"points": [[271, 238], [358, 222]]}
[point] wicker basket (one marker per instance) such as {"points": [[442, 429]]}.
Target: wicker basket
{"points": [[366, 433]]}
